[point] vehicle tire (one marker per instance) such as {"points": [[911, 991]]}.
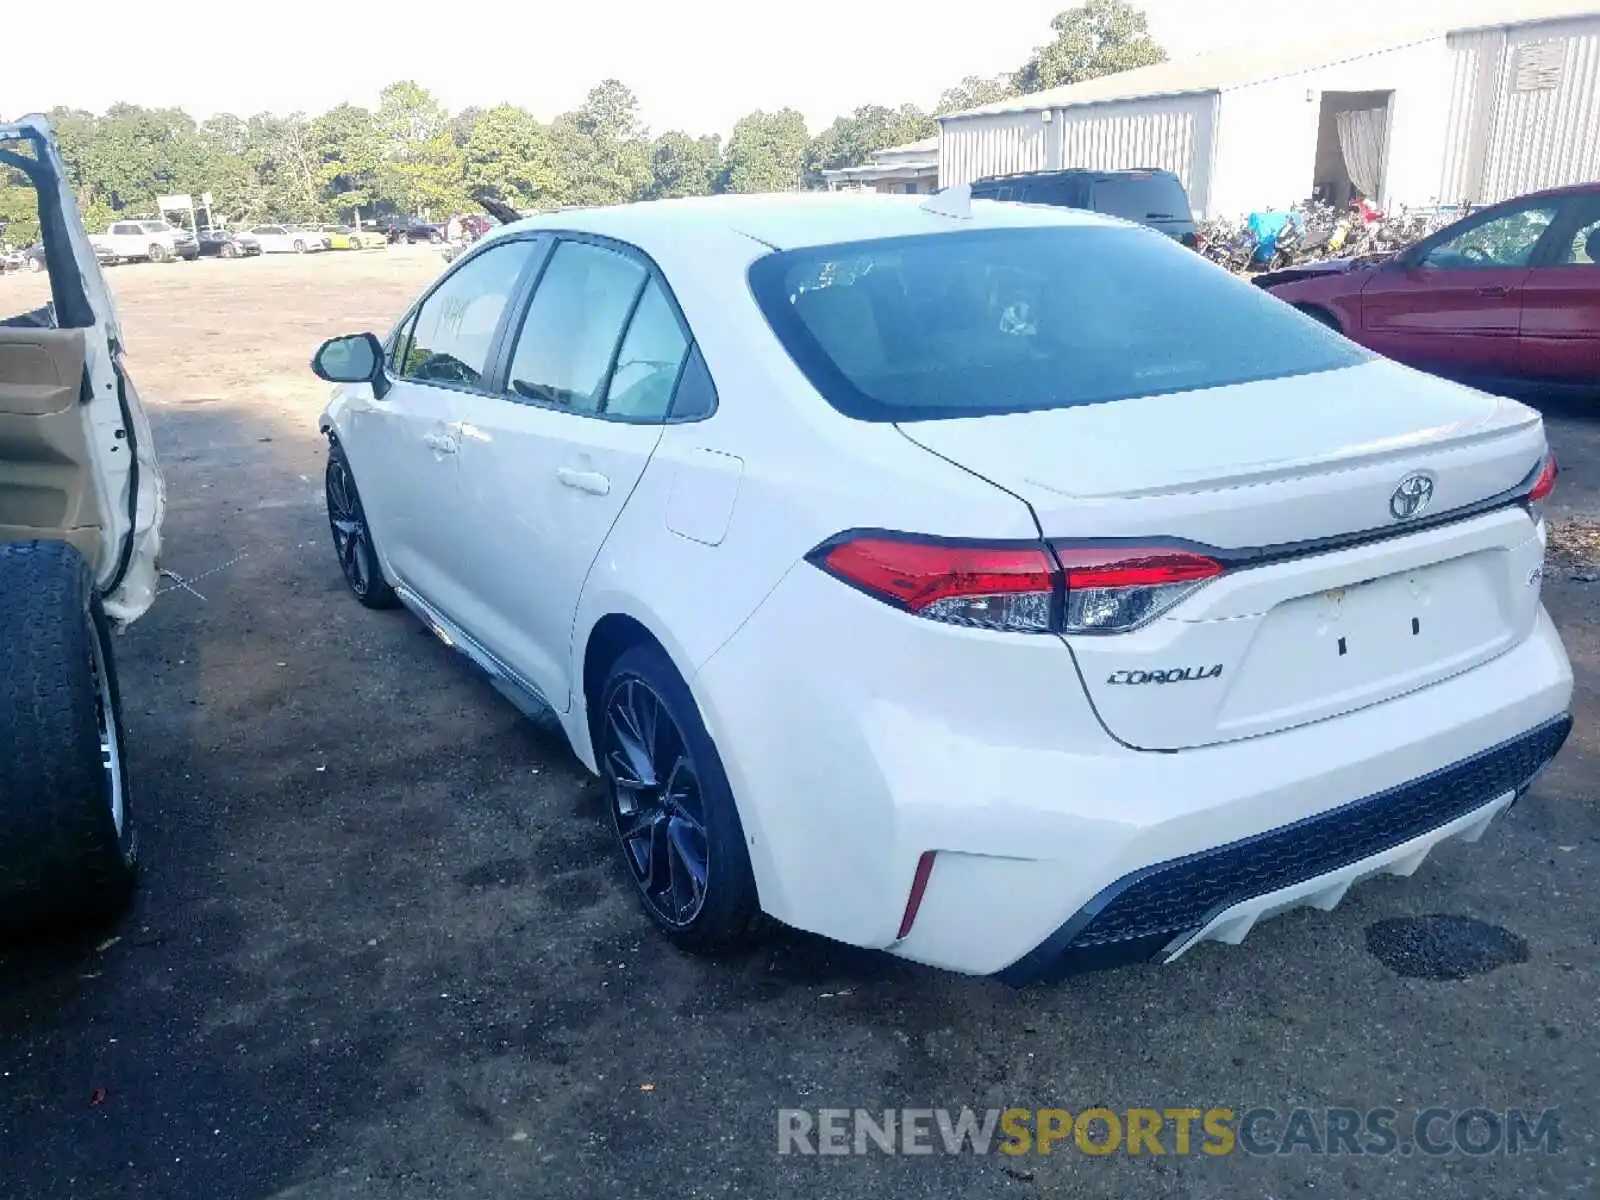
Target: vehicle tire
{"points": [[228, 251], [158, 254], [435, 238], [299, 247], [68, 845], [355, 243], [352, 536], [1321, 315], [36, 265], [673, 812]]}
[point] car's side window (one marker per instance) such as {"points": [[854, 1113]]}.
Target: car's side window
{"points": [[650, 361], [1504, 241], [569, 337], [1584, 250], [453, 333]]}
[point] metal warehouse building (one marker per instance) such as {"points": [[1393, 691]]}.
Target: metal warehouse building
{"points": [[1472, 114]]}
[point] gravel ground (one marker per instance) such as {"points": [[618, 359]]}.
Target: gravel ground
{"points": [[383, 949]]}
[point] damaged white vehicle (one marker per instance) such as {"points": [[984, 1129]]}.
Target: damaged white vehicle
{"points": [[81, 505]]}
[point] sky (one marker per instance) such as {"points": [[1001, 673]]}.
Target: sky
{"points": [[696, 65]]}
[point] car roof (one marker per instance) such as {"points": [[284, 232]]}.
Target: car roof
{"points": [[1572, 189], [1081, 173], [789, 220]]}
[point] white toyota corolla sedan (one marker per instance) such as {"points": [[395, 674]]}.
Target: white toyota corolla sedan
{"points": [[1005, 587]]}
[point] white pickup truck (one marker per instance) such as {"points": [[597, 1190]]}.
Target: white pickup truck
{"points": [[155, 241]]}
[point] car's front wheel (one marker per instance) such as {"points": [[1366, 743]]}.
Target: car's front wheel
{"points": [[352, 536], [674, 813], [299, 247], [355, 243]]}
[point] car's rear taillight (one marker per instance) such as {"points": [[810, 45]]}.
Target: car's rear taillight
{"points": [[1115, 589], [1544, 482], [990, 587], [1020, 587]]}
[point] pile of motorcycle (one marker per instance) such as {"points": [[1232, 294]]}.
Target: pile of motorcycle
{"points": [[1313, 231]]}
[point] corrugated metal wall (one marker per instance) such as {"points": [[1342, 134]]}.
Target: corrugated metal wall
{"points": [[1546, 136], [1173, 133], [997, 144]]}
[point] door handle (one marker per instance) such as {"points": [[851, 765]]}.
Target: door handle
{"points": [[1494, 291], [440, 443], [585, 481]]}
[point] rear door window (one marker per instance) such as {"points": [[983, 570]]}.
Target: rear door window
{"points": [[571, 334], [1015, 320]]}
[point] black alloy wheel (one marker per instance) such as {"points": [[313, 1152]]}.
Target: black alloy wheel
{"points": [[352, 538], [656, 803]]}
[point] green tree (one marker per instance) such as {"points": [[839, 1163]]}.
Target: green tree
{"points": [[681, 165], [509, 154], [851, 140], [975, 90], [767, 152], [419, 163], [1100, 38], [600, 150], [348, 148]]}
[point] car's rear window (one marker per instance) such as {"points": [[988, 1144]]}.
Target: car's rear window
{"points": [[1013, 320], [1141, 198]]}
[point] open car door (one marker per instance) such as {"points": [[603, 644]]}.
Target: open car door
{"points": [[76, 460]]}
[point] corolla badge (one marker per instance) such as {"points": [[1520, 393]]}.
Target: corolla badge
{"points": [[1411, 497], [1171, 675]]}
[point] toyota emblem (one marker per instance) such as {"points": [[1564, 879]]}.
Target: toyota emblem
{"points": [[1411, 497]]}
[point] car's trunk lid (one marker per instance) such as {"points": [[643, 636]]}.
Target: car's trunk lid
{"points": [[1290, 483]]}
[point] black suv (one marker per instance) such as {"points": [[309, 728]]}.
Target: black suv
{"points": [[408, 229], [1150, 196]]}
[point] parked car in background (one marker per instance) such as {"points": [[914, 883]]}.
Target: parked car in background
{"points": [[288, 239], [409, 229], [132, 241], [798, 513], [1507, 298], [220, 243], [186, 245], [1151, 197], [344, 237]]}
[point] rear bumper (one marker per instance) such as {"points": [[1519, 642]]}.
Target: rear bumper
{"points": [[1158, 912], [857, 739]]}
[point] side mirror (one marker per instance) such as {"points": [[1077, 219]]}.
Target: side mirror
{"points": [[353, 358]]}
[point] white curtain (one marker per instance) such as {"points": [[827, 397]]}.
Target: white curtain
{"points": [[1361, 143]]}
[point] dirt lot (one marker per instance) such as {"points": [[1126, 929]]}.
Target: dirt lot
{"points": [[382, 948]]}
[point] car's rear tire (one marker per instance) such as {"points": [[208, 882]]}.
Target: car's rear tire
{"points": [[673, 811], [158, 253], [352, 536], [68, 843]]}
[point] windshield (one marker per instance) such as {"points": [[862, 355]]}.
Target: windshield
{"points": [[1012, 320], [156, 227]]}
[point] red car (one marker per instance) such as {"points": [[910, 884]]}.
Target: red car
{"points": [[1507, 296]]}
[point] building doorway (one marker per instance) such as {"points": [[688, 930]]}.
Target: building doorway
{"points": [[1352, 148]]}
